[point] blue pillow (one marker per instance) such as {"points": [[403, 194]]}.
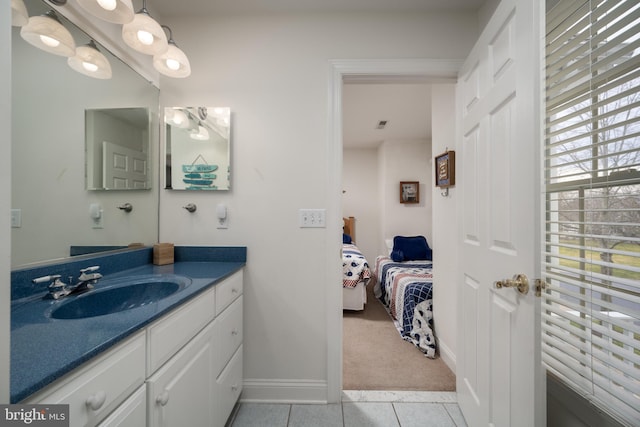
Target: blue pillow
{"points": [[346, 239], [410, 249]]}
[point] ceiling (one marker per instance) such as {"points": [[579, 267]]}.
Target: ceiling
{"points": [[405, 107], [187, 8]]}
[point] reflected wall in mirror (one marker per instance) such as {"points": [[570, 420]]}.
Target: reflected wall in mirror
{"points": [[117, 149], [198, 147], [51, 206]]}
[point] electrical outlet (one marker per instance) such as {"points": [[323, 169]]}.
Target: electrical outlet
{"points": [[16, 218], [312, 218]]}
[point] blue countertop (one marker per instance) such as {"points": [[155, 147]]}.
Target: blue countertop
{"points": [[44, 349]]}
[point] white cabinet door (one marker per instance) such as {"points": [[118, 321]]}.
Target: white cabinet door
{"points": [[181, 393], [132, 413], [498, 369], [229, 387]]}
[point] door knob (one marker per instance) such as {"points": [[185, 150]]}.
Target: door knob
{"points": [[519, 281]]}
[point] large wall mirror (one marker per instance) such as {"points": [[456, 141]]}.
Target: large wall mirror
{"points": [[53, 163], [197, 147]]}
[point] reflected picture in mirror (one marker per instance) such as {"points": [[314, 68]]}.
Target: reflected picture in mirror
{"points": [[117, 146], [197, 145]]}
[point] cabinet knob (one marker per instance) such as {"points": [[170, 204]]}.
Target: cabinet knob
{"points": [[234, 332], [163, 398], [96, 400], [234, 291]]}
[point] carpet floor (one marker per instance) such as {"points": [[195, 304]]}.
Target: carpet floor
{"points": [[375, 357]]}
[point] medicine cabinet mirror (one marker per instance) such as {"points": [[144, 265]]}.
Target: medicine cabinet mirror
{"points": [[197, 147]]}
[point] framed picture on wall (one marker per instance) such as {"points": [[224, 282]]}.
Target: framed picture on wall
{"points": [[446, 169], [409, 192]]}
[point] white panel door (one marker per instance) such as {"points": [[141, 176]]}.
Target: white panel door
{"points": [[498, 361], [123, 167]]}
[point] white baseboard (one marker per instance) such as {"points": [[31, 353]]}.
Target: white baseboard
{"points": [[284, 391], [448, 357]]}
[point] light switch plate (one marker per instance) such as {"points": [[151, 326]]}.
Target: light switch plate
{"points": [[312, 218]]}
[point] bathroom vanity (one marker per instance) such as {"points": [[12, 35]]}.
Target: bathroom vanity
{"points": [[174, 361]]}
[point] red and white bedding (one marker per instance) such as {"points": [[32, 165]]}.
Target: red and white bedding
{"points": [[355, 268]]}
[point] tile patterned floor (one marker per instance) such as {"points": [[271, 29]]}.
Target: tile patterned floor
{"points": [[358, 409]]}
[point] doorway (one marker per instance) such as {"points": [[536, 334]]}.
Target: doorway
{"points": [[434, 71]]}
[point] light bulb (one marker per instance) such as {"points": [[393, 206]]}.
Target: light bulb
{"points": [[145, 37], [108, 4], [172, 64], [90, 66], [49, 41]]}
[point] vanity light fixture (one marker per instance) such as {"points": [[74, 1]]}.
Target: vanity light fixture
{"points": [[89, 61], [46, 32], [19, 14], [173, 62], [114, 11], [144, 34]]}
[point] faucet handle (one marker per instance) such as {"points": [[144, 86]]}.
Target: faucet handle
{"points": [[43, 279], [90, 269]]}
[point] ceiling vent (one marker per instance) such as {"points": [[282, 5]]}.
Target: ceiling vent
{"points": [[381, 124]]}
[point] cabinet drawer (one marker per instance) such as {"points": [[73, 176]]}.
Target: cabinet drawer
{"points": [[228, 335], [97, 388], [132, 413], [228, 388], [172, 332], [228, 291]]}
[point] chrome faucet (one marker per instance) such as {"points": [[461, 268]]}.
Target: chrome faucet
{"points": [[88, 277], [58, 289]]}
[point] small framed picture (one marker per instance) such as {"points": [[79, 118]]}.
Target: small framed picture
{"points": [[446, 169], [409, 192]]}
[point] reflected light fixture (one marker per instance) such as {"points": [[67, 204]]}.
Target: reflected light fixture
{"points": [[173, 62], [144, 34], [201, 135], [19, 14], [89, 61], [46, 32], [115, 11], [176, 117]]}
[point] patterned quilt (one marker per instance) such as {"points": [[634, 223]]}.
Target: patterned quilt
{"points": [[406, 291], [355, 268]]}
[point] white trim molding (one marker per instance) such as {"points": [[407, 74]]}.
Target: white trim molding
{"points": [[284, 391]]}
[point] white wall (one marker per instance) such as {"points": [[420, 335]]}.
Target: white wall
{"points": [[445, 228], [404, 161], [361, 198], [5, 196], [371, 180], [273, 71]]}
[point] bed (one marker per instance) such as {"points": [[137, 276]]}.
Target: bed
{"points": [[404, 285], [355, 270]]}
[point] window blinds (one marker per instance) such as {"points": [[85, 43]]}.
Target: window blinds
{"points": [[591, 307]]}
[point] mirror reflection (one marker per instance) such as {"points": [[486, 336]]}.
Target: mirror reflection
{"points": [[198, 148], [117, 148], [53, 213]]}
